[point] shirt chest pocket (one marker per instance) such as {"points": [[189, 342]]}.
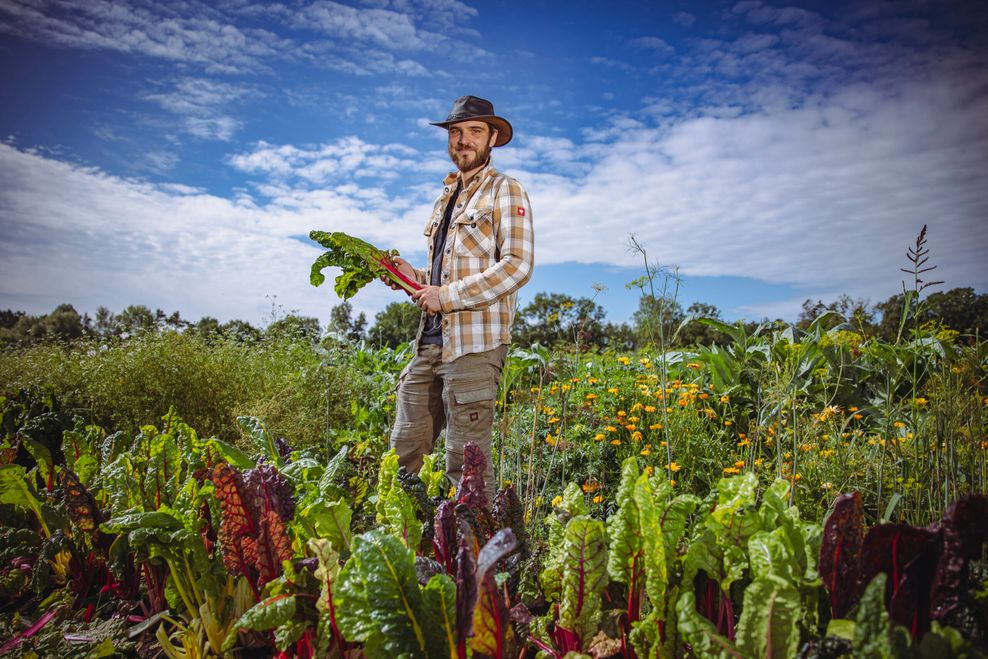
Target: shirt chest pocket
{"points": [[475, 234]]}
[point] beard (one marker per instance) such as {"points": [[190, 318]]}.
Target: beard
{"points": [[466, 161]]}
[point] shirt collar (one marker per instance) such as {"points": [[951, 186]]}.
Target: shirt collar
{"points": [[488, 170]]}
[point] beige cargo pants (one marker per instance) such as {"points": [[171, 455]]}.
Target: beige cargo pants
{"points": [[459, 395]]}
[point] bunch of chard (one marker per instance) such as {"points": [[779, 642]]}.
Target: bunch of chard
{"points": [[359, 261]]}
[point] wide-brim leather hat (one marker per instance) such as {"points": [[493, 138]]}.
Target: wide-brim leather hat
{"points": [[471, 108]]}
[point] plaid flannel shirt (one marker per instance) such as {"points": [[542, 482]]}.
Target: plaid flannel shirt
{"points": [[489, 255]]}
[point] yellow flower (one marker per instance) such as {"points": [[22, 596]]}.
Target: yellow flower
{"points": [[731, 470], [624, 360], [673, 467], [613, 390], [591, 396], [645, 451], [650, 408], [920, 401], [655, 426], [566, 387], [599, 436], [558, 499], [630, 427], [899, 424], [616, 442], [725, 399], [857, 417], [744, 442], [599, 498], [852, 408], [634, 419], [574, 380], [610, 428], [693, 365], [590, 485], [649, 470], [593, 381], [728, 423], [622, 413], [554, 419], [704, 396], [826, 453], [636, 407], [739, 464], [759, 461], [636, 436]]}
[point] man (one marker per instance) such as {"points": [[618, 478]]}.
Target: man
{"points": [[480, 245]]}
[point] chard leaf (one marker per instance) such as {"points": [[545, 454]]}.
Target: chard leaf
{"points": [[840, 550], [700, 632], [330, 521], [769, 620], [431, 475], [14, 490], [439, 596], [263, 616], [769, 555], [584, 577], [380, 604], [573, 504], [327, 573], [875, 635], [230, 453], [258, 431], [656, 575], [624, 531], [395, 508]]}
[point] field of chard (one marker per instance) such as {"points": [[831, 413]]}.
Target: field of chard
{"points": [[792, 492]]}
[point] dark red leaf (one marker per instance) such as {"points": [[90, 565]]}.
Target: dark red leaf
{"points": [[840, 551]]}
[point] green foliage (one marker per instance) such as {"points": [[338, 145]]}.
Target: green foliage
{"points": [[395, 325], [380, 603], [125, 385]]}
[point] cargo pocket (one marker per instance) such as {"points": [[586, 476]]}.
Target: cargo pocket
{"points": [[473, 410]]}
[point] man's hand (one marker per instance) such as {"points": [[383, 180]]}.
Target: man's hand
{"points": [[427, 299], [404, 268]]}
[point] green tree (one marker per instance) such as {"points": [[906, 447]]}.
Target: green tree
{"points": [[396, 324], [240, 330], [655, 315], [294, 327], [343, 324], [134, 319], [555, 318], [698, 334]]}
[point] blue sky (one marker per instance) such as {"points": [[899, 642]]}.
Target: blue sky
{"points": [[172, 154]]}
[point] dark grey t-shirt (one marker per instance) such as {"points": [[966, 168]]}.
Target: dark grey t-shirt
{"points": [[433, 331]]}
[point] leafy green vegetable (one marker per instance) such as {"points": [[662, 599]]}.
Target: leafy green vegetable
{"points": [[360, 261]]}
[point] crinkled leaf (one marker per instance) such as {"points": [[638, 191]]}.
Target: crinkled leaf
{"points": [[229, 453], [14, 490], [258, 432], [395, 509], [875, 636], [263, 616], [624, 531], [584, 577], [380, 604], [330, 520], [843, 533], [769, 624]]}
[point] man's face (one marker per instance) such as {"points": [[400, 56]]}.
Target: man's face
{"points": [[470, 144]]}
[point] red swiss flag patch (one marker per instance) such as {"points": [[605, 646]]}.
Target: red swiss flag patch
{"points": [[520, 211]]}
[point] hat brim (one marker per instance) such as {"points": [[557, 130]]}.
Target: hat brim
{"points": [[504, 131]]}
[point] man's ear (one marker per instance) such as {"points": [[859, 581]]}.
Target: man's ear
{"points": [[493, 139]]}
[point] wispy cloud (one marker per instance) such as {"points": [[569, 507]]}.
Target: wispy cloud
{"points": [[200, 35], [201, 103]]}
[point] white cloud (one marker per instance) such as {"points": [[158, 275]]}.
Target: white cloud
{"points": [[75, 234], [199, 35]]}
